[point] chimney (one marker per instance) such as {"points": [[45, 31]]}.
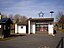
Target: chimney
{"points": [[0, 16]]}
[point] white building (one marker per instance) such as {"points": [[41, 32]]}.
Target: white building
{"points": [[42, 25], [20, 28], [36, 25]]}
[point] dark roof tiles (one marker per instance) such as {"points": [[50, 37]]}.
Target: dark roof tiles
{"points": [[41, 19], [4, 20]]}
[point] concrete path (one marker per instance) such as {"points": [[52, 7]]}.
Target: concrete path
{"points": [[33, 41]]}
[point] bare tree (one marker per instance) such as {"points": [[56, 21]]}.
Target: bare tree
{"points": [[20, 19], [59, 15], [10, 16], [23, 19], [4, 16], [16, 18], [60, 19]]}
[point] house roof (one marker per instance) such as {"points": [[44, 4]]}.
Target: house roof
{"points": [[4, 20], [41, 19], [22, 23]]}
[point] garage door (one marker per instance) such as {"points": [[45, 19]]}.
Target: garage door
{"points": [[41, 27]]}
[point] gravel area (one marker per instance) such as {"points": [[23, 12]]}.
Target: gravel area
{"points": [[33, 41]]}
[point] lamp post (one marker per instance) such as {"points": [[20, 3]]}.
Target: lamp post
{"points": [[51, 13], [0, 16]]}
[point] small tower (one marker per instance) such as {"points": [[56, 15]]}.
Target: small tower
{"points": [[51, 13], [0, 16], [41, 14]]}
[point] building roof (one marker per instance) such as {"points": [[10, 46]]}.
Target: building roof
{"points": [[22, 23], [4, 20], [41, 19]]}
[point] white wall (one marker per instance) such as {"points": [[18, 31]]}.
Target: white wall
{"points": [[33, 27], [29, 28], [0, 26], [50, 29], [15, 28], [22, 30], [18, 29]]}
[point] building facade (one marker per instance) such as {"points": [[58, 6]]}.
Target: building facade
{"points": [[37, 25], [20, 28]]}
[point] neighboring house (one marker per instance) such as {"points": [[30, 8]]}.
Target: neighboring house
{"points": [[5, 27], [36, 25], [20, 28]]}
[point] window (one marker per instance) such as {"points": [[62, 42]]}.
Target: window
{"points": [[21, 26]]}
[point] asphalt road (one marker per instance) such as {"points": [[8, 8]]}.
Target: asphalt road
{"points": [[33, 41]]}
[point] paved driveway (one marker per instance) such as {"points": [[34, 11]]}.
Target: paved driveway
{"points": [[32, 41]]}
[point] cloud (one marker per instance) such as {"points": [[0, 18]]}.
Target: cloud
{"points": [[31, 8]]}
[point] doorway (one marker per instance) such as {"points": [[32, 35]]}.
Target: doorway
{"points": [[41, 28]]}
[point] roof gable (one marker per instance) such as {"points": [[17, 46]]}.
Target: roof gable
{"points": [[5, 20]]}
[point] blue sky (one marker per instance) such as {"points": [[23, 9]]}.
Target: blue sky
{"points": [[31, 8]]}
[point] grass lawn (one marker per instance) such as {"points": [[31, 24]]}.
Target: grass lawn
{"points": [[12, 36], [62, 30], [4, 39]]}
